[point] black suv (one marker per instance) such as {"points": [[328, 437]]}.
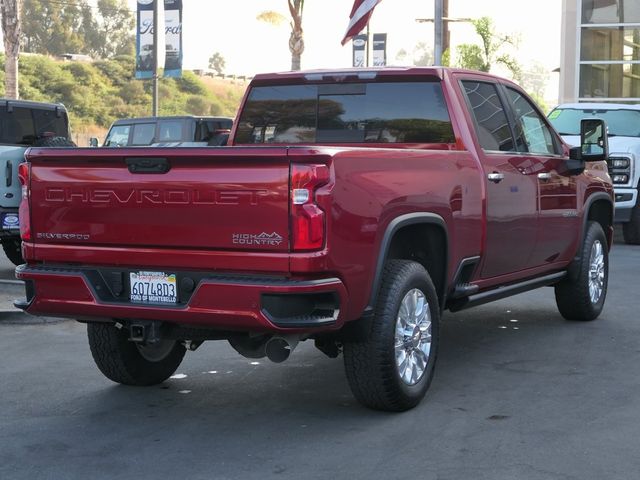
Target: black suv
{"points": [[24, 124], [179, 131]]}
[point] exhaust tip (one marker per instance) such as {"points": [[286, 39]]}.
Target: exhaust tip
{"points": [[278, 349]]}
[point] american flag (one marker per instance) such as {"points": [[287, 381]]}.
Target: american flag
{"points": [[359, 17]]}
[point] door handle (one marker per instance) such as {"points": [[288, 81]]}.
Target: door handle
{"points": [[495, 177], [545, 177]]}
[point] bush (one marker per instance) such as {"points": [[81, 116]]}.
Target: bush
{"points": [[98, 93]]}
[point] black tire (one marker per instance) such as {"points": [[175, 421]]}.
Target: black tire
{"points": [[123, 362], [13, 250], [59, 142], [573, 296], [370, 363], [631, 229]]}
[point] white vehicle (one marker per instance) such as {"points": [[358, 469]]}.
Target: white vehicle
{"points": [[623, 125]]}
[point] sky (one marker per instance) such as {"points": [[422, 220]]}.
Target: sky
{"points": [[250, 46]]}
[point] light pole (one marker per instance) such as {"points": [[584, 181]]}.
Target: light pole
{"points": [[441, 20], [156, 10]]}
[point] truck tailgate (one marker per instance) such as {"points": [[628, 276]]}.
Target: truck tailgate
{"points": [[178, 198]]}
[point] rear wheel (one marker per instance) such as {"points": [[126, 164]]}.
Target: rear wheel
{"points": [[581, 295], [13, 251], [131, 363], [392, 368]]}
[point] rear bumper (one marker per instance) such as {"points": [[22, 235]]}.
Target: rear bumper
{"points": [[237, 303]]}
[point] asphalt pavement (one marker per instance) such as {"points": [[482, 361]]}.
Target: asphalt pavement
{"points": [[519, 393]]}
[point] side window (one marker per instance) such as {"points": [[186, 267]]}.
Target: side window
{"points": [[531, 129], [492, 125], [170, 131], [143, 134]]}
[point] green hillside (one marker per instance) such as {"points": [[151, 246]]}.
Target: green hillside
{"points": [[98, 93]]}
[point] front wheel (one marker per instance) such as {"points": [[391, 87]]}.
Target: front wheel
{"points": [[131, 363], [392, 368], [581, 295], [13, 251]]}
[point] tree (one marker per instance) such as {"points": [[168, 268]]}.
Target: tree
{"points": [[55, 28], [483, 57], [10, 11], [421, 55], [115, 23], [296, 39], [534, 81], [217, 63]]}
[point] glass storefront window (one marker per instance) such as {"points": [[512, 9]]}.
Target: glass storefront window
{"points": [[610, 81], [618, 44], [610, 11]]}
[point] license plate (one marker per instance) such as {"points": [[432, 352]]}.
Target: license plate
{"points": [[153, 287], [10, 221]]}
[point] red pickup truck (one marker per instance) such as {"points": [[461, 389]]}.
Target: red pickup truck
{"points": [[350, 207]]}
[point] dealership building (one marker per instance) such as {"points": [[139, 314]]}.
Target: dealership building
{"points": [[600, 56]]}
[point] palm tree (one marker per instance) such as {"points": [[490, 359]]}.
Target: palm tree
{"points": [[296, 39], [10, 11]]}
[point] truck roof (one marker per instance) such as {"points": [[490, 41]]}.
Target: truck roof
{"points": [[364, 73], [31, 104], [171, 117]]}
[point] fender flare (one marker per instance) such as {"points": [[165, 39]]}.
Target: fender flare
{"points": [[395, 225], [572, 269], [594, 197]]}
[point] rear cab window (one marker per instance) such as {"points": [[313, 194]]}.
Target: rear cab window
{"points": [[23, 126], [348, 113]]}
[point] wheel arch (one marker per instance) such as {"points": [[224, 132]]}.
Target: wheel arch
{"points": [[599, 208], [411, 237]]}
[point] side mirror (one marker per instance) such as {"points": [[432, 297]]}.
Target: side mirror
{"points": [[594, 143], [93, 142]]}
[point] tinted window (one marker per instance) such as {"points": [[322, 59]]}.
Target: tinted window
{"points": [[346, 113], [492, 125], [531, 129], [118, 136], [16, 127], [46, 121], [170, 131], [222, 124], [143, 134]]}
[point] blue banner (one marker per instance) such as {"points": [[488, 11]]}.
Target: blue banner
{"points": [[145, 51], [173, 38]]}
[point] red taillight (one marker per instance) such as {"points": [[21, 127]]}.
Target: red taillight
{"points": [[307, 218], [24, 170]]}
